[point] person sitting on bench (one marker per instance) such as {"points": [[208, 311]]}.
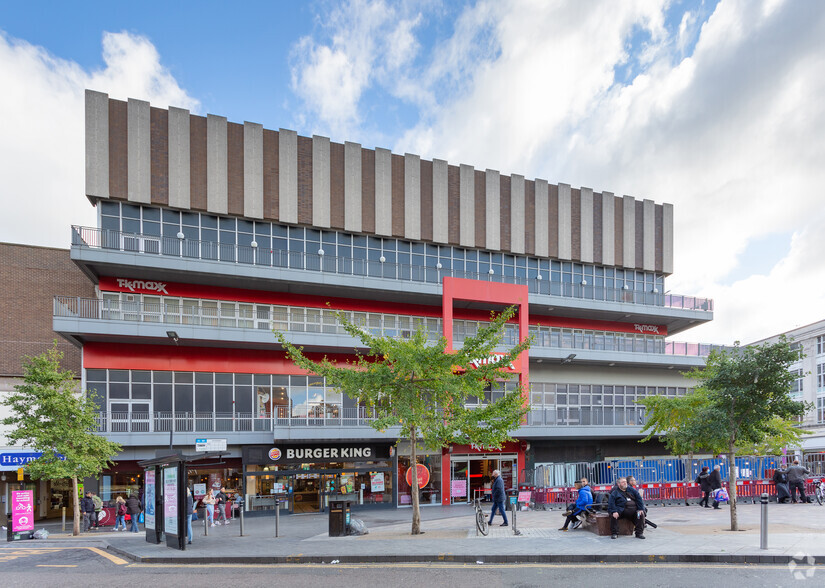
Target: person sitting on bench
{"points": [[625, 502], [584, 500]]}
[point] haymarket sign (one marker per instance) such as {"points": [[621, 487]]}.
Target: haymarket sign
{"points": [[12, 460]]}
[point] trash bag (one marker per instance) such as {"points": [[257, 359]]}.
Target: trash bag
{"points": [[41, 534], [357, 527]]}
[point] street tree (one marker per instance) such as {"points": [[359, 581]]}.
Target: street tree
{"points": [[418, 387], [742, 402], [49, 414]]}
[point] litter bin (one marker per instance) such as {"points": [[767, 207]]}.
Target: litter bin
{"points": [[339, 516]]}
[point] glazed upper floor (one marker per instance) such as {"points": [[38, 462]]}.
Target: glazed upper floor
{"points": [[172, 158]]}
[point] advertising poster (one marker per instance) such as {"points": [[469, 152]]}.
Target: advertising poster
{"points": [[22, 510], [377, 482], [200, 491], [149, 500], [170, 500], [458, 488]]}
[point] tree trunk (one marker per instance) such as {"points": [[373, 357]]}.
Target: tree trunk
{"points": [[76, 501], [734, 522], [414, 490]]}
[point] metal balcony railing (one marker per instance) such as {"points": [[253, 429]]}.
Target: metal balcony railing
{"points": [[175, 311], [94, 238]]}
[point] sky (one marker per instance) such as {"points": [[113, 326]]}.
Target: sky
{"points": [[713, 106]]}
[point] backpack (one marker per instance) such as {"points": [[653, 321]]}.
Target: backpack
{"points": [[121, 509]]}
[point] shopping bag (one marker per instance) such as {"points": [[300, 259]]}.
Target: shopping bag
{"points": [[721, 495], [140, 518], [194, 516]]}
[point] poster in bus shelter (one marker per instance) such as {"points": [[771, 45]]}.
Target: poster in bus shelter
{"points": [[22, 510], [149, 500], [170, 500]]}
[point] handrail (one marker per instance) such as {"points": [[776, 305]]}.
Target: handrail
{"points": [[164, 246]]}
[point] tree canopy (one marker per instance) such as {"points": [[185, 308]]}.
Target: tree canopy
{"points": [[429, 394], [49, 414], [742, 403]]}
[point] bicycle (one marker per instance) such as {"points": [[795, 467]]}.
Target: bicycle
{"points": [[819, 491], [481, 518]]}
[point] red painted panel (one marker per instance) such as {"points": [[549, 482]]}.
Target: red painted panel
{"points": [[193, 359]]}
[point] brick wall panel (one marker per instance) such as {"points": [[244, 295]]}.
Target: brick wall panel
{"points": [[530, 217], [640, 233], [398, 164], [271, 187], [336, 185], [304, 180], [118, 150], [234, 168], [480, 199], [618, 233], [367, 190], [660, 237], [597, 229], [504, 203], [453, 203], [576, 219], [553, 221], [159, 138], [426, 200], [197, 162]]}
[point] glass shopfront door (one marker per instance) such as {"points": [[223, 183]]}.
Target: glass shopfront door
{"points": [[459, 476], [472, 476]]}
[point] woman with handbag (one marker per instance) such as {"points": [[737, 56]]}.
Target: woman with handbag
{"points": [[209, 503], [120, 513]]}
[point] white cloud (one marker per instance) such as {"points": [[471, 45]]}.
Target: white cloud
{"points": [[42, 149]]}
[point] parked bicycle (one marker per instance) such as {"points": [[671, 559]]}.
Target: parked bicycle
{"points": [[481, 518]]}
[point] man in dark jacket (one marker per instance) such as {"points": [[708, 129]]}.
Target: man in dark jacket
{"points": [[626, 503], [703, 479], [87, 507], [220, 506], [133, 507], [499, 496], [780, 480], [715, 483], [796, 481]]}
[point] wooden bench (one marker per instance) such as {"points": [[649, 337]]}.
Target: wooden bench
{"points": [[599, 523]]}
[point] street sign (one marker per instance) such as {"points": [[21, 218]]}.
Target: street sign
{"points": [[210, 444], [19, 474]]}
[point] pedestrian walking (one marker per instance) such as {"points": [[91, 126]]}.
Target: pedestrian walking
{"points": [[87, 507], [190, 509], [220, 502], [499, 496], [209, 503], [703, 479], [98, 502], [796, 481], [715, 483], [133, 509], [120, 513]]}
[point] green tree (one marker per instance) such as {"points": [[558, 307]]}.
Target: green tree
{"points": [[742, 402], [415, 385], [49, 414]]}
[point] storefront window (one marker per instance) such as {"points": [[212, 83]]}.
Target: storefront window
{"points": [[431, 491]]}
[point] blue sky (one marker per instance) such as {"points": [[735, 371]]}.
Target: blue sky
{"points": [[713, 106]]}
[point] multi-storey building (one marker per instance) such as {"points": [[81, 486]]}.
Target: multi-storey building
{"points": [[809, 385], [213, 233]]}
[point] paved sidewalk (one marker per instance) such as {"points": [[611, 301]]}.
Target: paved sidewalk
{"points": [[685, 534]]}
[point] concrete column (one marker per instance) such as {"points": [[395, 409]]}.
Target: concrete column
{"points": [[352, 186], [412, 196], [667, 239], [608, 228], [97, 144], [493, 206], [517, 213], [217, 179], [467, 208], [541, 219], [253, 170], [586, 225], [140, 152], [287, 176], [565, 222], [629, 213], [441, 209], [649, 236], [320, 182], [383, 191], [179, 158]]}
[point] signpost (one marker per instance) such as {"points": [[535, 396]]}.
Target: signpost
{"points": [[210, 444]]}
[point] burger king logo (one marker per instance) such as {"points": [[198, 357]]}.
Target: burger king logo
{"points": [[274, 454]]}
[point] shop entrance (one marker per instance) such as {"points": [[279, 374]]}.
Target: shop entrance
{"points": [[471, 476], [306, 495]]}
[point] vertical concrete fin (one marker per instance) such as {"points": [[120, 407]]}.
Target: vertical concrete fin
{"points": [[629, 220], [217, 176], [517, 213], [586, 226], [352, 186], [253, 170], [649, 236], [97, 144], [667, 239], [320, 182], [608, 229], [383, 192], [565, 222], [441, 208], [493, 208], [541, 219], [287, 176], [467, 209], [179, 158], [140, 151], [412, 196]]}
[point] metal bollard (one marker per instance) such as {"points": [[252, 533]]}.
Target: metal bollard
{"points": [[205, 524], [240, 515], [763, 530], [64, 518], [513, 511], [277, 516]]}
